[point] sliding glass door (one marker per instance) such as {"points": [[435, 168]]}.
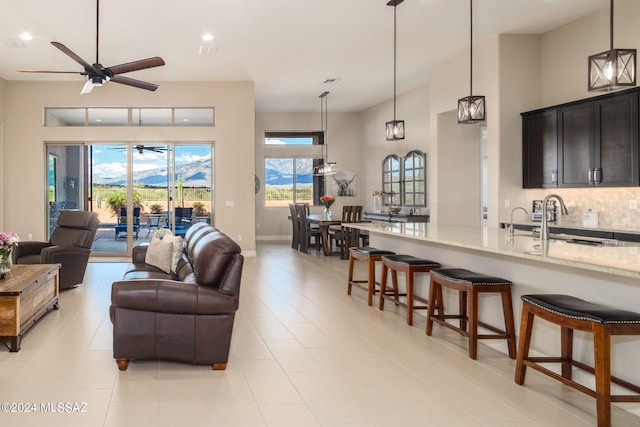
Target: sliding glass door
{"points": [[134, 188]]}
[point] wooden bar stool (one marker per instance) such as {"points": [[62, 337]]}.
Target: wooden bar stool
{"points": [[573, 313], [371, 255], [409, 265], [470, 285]]}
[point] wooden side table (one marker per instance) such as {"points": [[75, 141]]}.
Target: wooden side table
{"points": [[26, 293]]}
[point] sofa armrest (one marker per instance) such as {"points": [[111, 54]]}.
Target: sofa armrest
{"points": [[60, 254], [169, 296], [26, 248], [139, 253]]}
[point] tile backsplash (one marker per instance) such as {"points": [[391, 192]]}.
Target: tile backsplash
{"points": [[612, 205]]}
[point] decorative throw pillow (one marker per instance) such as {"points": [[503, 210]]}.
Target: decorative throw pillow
{"points": [[177, 250], [159, 254]]}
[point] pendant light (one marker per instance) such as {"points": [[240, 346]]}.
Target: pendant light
{"points": [[395, 128], [614, 68], [326, 168], [471, 109]]}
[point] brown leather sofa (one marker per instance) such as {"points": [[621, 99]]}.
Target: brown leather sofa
{"points": [[184, 316], [69, 245]]}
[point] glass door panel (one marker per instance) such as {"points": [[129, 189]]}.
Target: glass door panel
{"points": [[65, 180], [108, 193], [150, 189], [192, 186]]}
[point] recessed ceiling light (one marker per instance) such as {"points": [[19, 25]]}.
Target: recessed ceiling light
{"points": [[207, 37], [331, 80], [26, 36]]}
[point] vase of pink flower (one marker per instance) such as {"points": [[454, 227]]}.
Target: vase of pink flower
{"points": [[327, 201], [8, 241]]}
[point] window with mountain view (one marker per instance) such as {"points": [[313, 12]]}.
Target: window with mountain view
{"points": [[290, 158]]}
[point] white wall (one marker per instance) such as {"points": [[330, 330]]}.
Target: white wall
{"points": [[2, 153], [23, 160], [458, 183], [413, 108]]}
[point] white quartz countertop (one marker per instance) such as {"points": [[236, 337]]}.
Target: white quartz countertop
{"points": [[618, 258]]}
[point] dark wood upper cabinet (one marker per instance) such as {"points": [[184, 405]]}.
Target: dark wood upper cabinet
{"points": [[540, 149], [576, 149], [593, 142], [616, 141]]}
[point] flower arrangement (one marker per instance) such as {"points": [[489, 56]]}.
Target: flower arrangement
{"points": [[327, 201], [7, 242], [379, 193]]}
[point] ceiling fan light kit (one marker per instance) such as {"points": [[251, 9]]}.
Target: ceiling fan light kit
{"points": [[97, 75]]}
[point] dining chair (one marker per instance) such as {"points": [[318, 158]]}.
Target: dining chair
{"points": [[295, 227], [305, 231], [346, 236]]}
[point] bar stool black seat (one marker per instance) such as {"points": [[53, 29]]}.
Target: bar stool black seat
{"points": [[371, 255], [409, 265], [470, 285], [572, 313]]}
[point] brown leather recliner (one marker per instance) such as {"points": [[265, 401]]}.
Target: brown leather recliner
{"points": [[69, 245], [184, 316]]}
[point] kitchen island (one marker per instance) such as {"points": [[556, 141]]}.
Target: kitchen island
{"points": [[607, 274]]}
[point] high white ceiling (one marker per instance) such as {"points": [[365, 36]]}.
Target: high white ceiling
{"points": [[287, 47]]}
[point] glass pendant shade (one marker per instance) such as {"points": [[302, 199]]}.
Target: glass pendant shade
{"points": [[471, 109], [612, 69], [395, 130], [328, 168]]}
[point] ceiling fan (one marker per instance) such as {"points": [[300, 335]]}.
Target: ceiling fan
{"points": [[141, 148], [97, 75]]}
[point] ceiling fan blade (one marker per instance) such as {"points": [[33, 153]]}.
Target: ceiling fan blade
{"points": [[72, 55], [135, 83], [48, 71], [141, 64], [87, 88]]}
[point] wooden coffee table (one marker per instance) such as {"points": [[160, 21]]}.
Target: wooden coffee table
{"points": [[26, 293]]}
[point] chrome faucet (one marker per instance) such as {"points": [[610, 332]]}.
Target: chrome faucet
{"points": [[511, 231], [544, 229]]}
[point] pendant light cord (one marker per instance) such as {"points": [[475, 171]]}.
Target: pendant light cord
{"points": [[611, 25], [394, 59], [470, 49]]}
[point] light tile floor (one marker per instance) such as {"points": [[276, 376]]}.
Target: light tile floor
{"points": [[303, 354]]}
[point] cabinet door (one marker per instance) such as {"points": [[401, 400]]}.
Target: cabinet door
{"points": [[540, 149], [576, 145], [616, 141]]}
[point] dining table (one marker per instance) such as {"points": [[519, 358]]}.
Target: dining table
{"points": [[323, 224]]}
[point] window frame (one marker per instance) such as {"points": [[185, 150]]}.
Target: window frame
{"points": [[312, 151]]}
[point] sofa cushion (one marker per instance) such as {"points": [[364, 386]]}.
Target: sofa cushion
{"points": [[177, 251], [160, 254], [213, 254]]}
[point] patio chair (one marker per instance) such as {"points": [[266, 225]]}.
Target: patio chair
{"points": [[121, 227]]}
